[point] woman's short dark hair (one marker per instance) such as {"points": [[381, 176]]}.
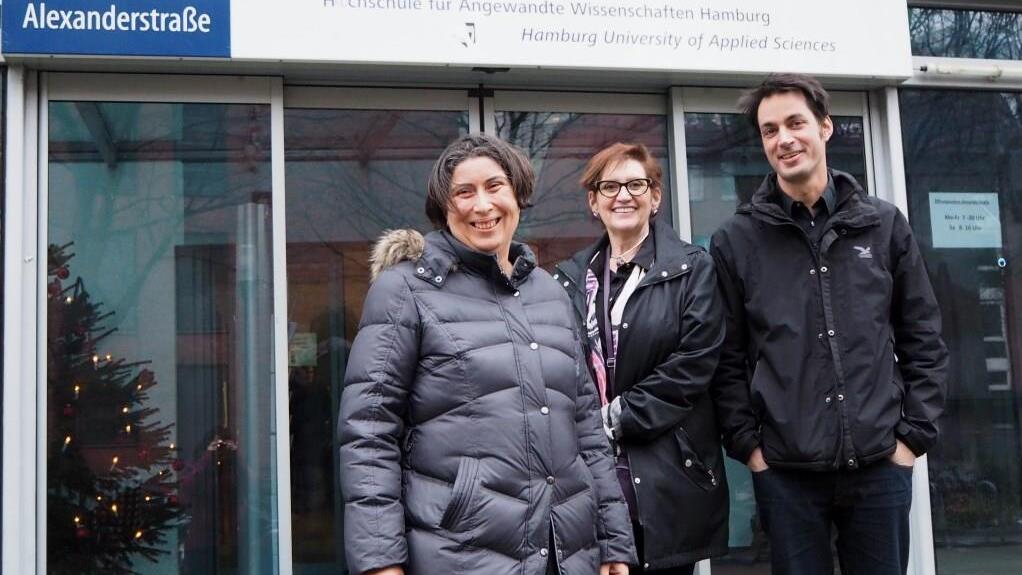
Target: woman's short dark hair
{"points": [[618, 152], [816, 97], [512, 160]]}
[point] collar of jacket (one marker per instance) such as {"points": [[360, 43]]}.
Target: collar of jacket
{"points": [[673, 258], [443, 253], [852, 211]]}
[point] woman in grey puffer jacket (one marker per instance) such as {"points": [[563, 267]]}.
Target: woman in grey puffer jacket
{"points": [[471, 442]]}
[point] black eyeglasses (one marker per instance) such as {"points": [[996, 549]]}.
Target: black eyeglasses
{"points": [[610, 188]]}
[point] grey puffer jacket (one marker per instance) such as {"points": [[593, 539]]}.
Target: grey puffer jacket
{"points": [[469, 429]]}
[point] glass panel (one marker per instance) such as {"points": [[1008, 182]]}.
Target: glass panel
{"points": [[726, 164], [963, 165], [159, 390], [965, 33], [725, 167], [559, 145], [350, 176]]}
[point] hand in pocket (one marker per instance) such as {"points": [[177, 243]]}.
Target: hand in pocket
{"points": [[903, 456], [756, 462]]}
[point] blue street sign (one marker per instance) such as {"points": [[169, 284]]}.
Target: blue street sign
{"points": [[196, 28]]}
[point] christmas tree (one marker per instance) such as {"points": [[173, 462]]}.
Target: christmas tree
{"points": [[111, 485]]}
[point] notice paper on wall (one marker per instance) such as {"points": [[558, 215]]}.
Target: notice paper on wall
{"points": [[965, 220]]}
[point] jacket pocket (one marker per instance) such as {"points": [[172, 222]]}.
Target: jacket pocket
{"points": [[692, 465], [406, 447], [461, 495]]}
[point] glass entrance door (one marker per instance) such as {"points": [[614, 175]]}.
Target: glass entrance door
{"points": [[962, 164], [357, 162], [159, 431]]}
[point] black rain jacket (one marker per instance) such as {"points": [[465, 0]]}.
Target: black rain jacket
{"points": [[833, 351], [670, 337], [469, 428]]}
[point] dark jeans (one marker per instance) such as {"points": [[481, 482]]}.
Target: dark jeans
{"points": [[869, 507], [640, 570]]}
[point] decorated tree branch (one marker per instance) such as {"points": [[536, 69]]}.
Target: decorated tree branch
{"points": [[111, 480]]}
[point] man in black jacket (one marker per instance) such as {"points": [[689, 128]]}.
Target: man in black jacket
{"points": [[832, 375]]}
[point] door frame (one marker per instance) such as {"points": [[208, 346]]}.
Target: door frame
{"points": [[21, 322], [25, 413]]}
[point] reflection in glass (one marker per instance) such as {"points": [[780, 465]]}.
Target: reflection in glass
{"points": [[963, 165], [726, 164], [559, 144], [965, 33], [159, 292], [725, 167], [351, 174]]}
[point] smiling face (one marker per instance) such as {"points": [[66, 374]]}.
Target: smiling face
{"points": [[794, 140], [625, 215], [483, 211]]}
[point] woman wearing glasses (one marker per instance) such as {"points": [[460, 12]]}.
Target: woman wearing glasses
{"points": [[652, 327]]}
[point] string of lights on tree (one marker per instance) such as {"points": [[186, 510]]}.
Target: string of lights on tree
{"points": [[112, 474]]}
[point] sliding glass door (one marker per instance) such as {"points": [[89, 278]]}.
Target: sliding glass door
{"points": [[159, 419]]}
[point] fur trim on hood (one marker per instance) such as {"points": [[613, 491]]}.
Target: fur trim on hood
{"points": [[393, 247]]}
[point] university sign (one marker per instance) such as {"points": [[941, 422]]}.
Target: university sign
{"points": [[752, 36], [200, 28]]}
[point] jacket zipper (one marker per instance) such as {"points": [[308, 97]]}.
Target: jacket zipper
{"points": [[815, 253]]}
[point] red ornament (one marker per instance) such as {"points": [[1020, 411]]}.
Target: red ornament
{"points": [[178, 465], [63, 273], [53, 288], [143, 455], [172, 499], [81, 532], [69, 410], [146, 378]]}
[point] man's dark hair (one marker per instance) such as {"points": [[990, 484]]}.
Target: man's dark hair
{"points": [[816, 97], [512, 160]]}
